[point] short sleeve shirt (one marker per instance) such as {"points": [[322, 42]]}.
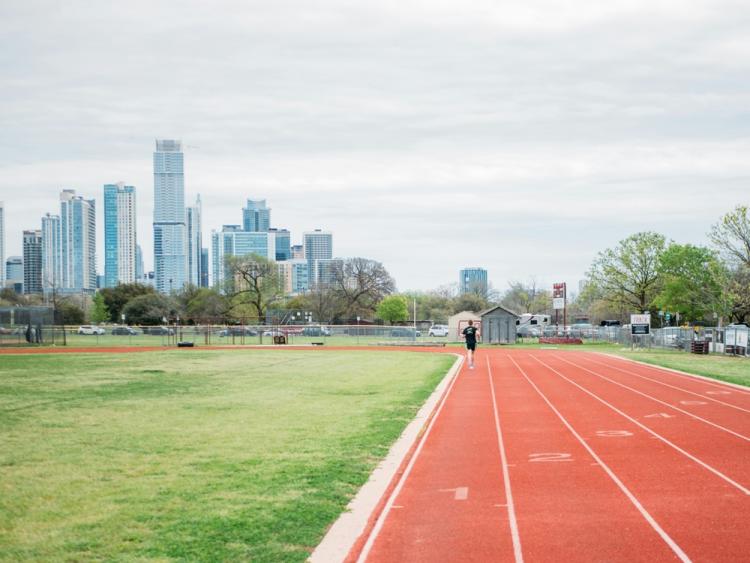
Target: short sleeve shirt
{"points": [[470, 333]]}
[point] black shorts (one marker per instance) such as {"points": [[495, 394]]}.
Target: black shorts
{"points": [[471, 346]]}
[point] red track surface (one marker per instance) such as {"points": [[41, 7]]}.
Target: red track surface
{"points": [[568, 456]]}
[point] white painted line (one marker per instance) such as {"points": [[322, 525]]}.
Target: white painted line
{"points": [[647, 429], [517, 551], [678, 409], [342, 535], [674, 386], [683, 374], [631, 497], [459, 493], [397, 489]]}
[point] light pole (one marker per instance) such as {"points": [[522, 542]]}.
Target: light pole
{"points": [[357, 330]]}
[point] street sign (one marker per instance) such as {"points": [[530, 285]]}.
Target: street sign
{"points": [[639, 329], [558, 303], [640, 319]]}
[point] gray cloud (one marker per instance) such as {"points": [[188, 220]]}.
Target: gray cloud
{"points": [[427, 135]]}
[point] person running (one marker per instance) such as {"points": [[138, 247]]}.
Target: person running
{"points": [[470, 335]]}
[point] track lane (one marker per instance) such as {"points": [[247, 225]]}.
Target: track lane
{"points": [[452, 506], [726, 454], [721, 417], [701, 511], [568, 508]]}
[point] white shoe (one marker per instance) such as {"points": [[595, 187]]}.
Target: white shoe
{"points": [[471, 367]]}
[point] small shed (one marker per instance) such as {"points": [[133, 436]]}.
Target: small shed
{"points": [[460, 321], [498, 325]]}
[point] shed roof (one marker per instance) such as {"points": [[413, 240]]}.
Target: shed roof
{"points": [[495, 308]]}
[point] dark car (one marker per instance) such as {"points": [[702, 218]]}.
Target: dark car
{"points": [[238, 331], [158, 330], [124, 331], [405, 333]]}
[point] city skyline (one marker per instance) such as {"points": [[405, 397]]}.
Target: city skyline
{"points": [[525, 138]]}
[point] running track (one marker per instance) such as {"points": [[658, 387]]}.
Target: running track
{"points": [[567, 456]]}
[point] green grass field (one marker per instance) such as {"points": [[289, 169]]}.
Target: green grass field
{"points": [[241, 455]]}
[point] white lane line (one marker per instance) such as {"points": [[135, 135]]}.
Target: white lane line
{"points": [[631, 497], [517, 551], [647, 429], [741, 389], [669, 405], [397, 489], [671, 386]]}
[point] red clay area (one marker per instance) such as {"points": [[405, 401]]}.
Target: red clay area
{"points": [[570, 456]]}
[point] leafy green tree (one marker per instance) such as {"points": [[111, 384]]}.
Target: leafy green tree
{"points": [[693, 282], [149, 309], [99, 314], [115, 298], [393, 308], [67, 312], [627, 276]]}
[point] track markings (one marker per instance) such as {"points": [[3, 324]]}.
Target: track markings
{"points": [[459, 493], [631, 497], [646, 428], [517, 551], [549, 457], [613, 433], [636, 391], [659, 415]]}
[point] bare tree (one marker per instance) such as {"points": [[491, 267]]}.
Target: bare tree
{"points": [[362, 284], [254, 283], [731, 236]]}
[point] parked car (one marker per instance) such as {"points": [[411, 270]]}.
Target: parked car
{"points": [[403, 332], [527, 330], [316, 331], [238, 331], [438, 330], [124, 331], [91, 329], [158, 330], [273, 332]]}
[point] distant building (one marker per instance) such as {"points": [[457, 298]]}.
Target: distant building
{"points": [[52, 278], [231, 241], [2, 244], [283, 244], [32, 261], [294, 275], [195, 241], [204, 267], [139, 268], [473, 280], [120, 248], [324, 272], [318, 245], [170, 232], [256, 217], [14, 273], [297, 252], [77, 242]]}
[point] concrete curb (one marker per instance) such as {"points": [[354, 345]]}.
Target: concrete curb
{"points": [[352, 523]]}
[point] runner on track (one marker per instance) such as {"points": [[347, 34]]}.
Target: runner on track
{"points": [[470, 335]]}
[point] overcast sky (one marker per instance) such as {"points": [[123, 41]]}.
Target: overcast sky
{"points": [[523, 137]]}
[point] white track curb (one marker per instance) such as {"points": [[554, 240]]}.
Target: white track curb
{"points": [[340, 538]]}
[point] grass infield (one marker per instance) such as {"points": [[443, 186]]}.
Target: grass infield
{"points": [[210, 455]]}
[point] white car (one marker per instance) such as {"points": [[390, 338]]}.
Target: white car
{"points": [[438, 330], [90, 329]]}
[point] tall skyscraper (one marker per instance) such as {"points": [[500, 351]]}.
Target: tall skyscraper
{"points": [[51, 254], [32, 261], [78, 241], [204, 267], [119, 234], [256, 217], [195, 241], [170, 232], [318, 253], [139, 268], [2, 244], [473, 280]]}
